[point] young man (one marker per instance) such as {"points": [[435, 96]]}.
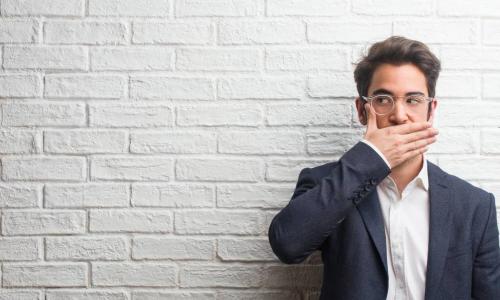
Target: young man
{"points": [[390, 224]]}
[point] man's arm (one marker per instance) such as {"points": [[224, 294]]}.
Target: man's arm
{"points": [[317, 206], [486, 272]]}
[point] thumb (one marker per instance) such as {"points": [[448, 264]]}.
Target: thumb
{"points": [[371, 123]]}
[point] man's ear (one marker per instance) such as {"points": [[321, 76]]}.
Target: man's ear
{"points": [[361, 111], [432, 111]]}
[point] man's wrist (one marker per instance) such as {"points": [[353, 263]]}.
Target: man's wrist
{"points": [[378, 151]]}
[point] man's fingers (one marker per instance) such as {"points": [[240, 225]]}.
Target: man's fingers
{"points": [[422, 134], [418, 144], [410, 127]]}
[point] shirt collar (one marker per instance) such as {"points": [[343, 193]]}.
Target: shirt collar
{"points": [[422, 178]]}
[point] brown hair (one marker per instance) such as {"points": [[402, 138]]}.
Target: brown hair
{"points": [[397, 50]]}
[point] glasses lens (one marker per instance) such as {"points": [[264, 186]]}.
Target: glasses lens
{"points": [[382, 104]]}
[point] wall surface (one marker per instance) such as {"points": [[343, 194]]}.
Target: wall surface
{"points": [[146, 144]]}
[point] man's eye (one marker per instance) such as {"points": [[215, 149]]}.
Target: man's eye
{"points": [[383, 100], [414, 100]]}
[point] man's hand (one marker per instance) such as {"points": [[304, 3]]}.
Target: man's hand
{"points": [[401, 142]]}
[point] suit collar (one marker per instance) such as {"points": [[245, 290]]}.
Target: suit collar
{"points": [[440, 196]]}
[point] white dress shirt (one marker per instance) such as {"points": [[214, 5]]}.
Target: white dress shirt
{"points": [[406, 222]]}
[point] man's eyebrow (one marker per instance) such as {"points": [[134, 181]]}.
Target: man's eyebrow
{"points": [[384, 91]]}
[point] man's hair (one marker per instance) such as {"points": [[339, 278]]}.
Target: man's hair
{"points": [[397, 50]]}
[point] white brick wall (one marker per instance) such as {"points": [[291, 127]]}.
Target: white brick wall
{"points": [[146, 145]]}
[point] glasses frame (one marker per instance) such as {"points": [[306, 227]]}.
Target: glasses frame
{"points": [[394, 98]]}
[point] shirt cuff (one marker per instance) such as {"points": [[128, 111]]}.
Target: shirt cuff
{"points": [[378, 151]]}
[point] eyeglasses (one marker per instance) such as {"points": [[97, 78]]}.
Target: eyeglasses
{"points": [[384, 104]]}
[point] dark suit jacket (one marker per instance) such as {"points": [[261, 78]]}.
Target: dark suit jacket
{"points": [[335, 209]]}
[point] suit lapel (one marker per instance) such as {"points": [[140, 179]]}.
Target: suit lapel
{"points": [[439, 227], [372, 216]]}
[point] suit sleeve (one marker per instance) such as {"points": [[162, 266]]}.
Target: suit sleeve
{"points": [[486, 272], [318, 204]]}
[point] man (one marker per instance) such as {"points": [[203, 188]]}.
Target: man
{"points": [[390, 224]]}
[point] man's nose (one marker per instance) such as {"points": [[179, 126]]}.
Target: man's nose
{"points": [[399, 113]]}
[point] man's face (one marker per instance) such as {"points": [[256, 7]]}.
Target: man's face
{"points": [[397, 81]]}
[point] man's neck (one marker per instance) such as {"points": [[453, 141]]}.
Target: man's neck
{"points": [[406, 172]]}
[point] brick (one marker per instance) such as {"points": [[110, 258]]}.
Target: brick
{"points": [[86, 248], [491, 36], [218, 222], [19, 195], [334, 59], [487, 8], [494, 188], [33, 222], [12, 86], [131, 58], [450, 32], [261, 295], [303, 276], [216, 8], [218, 170], [20, 295], [456, 141], [458, 85], [309, 114], [134, 274], [380, 8], [333, 85], [491, 88], [260, 88], [133, 8], [85, 141], [43, 114], [129, 115], [181, 33], [478, 115], [347, 32], [172, 248], [86, 33], [18, 31], [307, 8], [261, 142], [86, 195], [260, 32], [490, 141], [289, 169], [131, 168], [220, 276], [172, 195], [208, 59], [219, 115], [15, 248], [173, 142], [45, 57], [472, 168], [470, 58], [253, 249], [333, 143], [84, 86], [74, 8], [130, 220], [45, 275], [44, 168], [153, 295], [18, 141], [256, 196], [85, 294], [163, 88]]}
